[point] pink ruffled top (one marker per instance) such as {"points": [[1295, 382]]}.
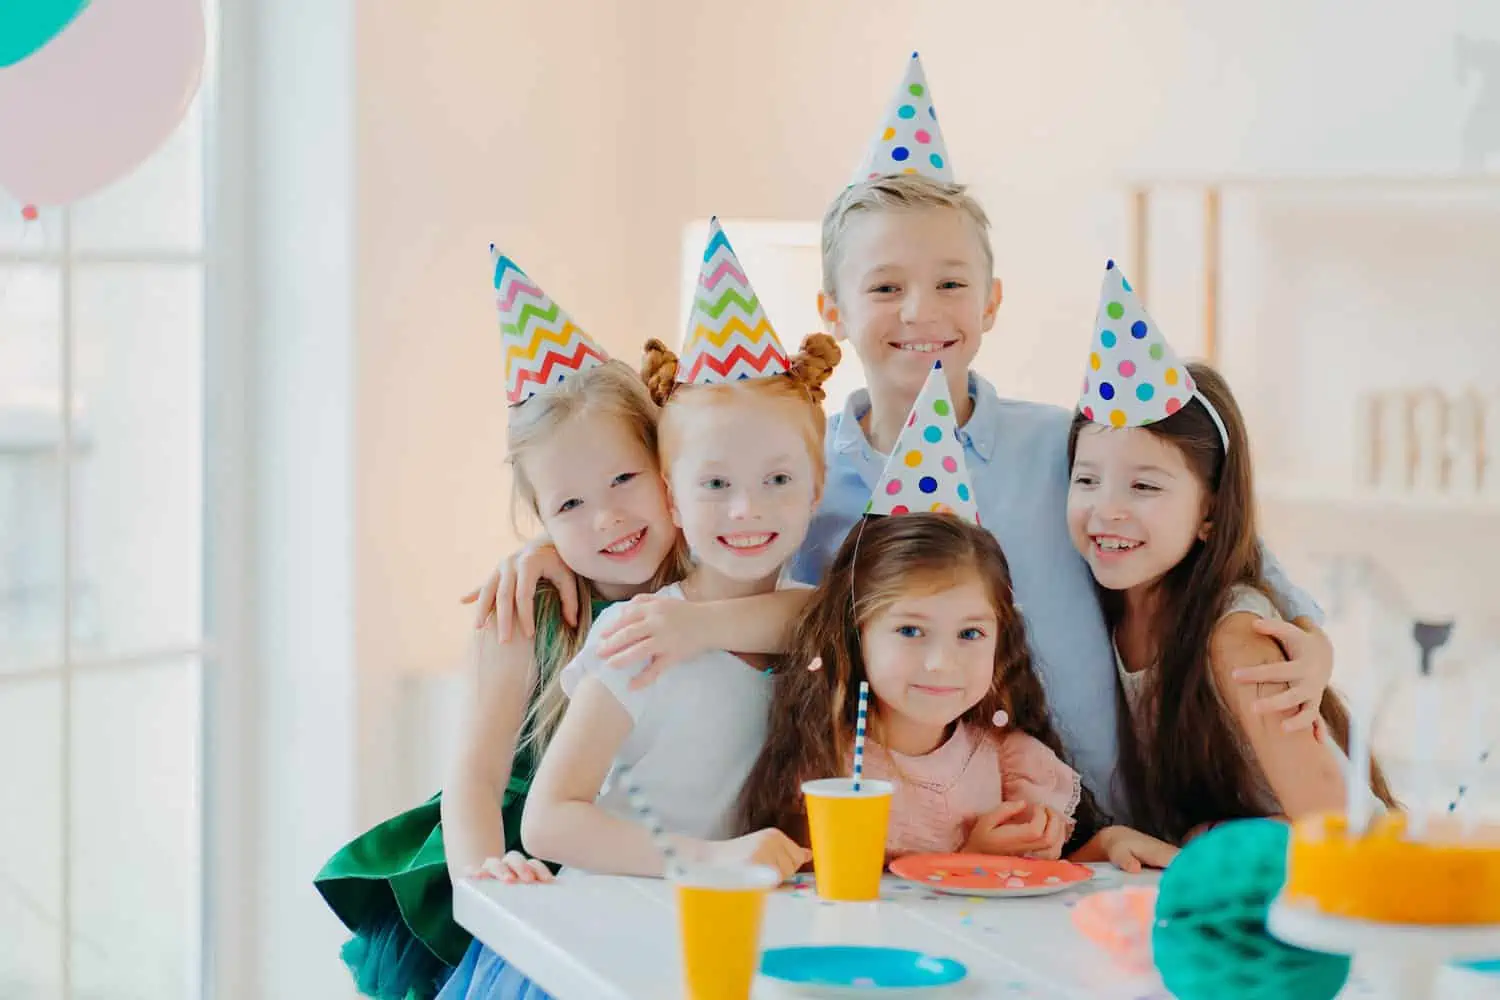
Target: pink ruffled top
{"points": [[939, 795]]}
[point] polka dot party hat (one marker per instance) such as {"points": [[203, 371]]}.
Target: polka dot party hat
{"points": [[910, 140], [729, 337], [543, 346], [1134, 377], [926, 472]]}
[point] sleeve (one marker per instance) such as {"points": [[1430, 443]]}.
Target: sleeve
{"points": [[586, 661], [1032, 773], [1298, 602]]}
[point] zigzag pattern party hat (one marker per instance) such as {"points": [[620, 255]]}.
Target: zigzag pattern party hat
{"points": [[910, 141], [926, 472], [729, 337], [543, 346], [1134, 377]]}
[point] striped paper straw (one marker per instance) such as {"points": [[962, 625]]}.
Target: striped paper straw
{"points": [[860, 721], [648, 816]]}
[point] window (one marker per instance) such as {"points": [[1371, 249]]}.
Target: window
{"points": [[101, 602]]}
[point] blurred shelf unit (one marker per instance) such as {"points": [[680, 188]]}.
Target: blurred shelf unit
{"points": [[1299, 495], [1211, 189]]}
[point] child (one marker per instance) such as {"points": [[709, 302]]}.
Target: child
{"points": [[1162, 508], [918, 602], [741, 451], [605, 507], [908, 279]]}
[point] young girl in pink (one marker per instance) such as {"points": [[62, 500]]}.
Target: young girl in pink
{"points": [[918, 603]]}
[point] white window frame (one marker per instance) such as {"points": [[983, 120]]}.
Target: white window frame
{"points": [[220, 459]]}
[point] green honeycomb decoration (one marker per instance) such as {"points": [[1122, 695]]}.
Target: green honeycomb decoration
{"points": [[1210, 940]]}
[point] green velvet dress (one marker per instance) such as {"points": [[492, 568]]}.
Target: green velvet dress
{"points": [[390, 887]]}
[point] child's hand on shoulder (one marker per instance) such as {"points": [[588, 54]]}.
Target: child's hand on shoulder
{"points": [[514, 867], [1307, 672], [769, 847], [1130, 850], [662, 631], [508, 596], [1019, 829]]}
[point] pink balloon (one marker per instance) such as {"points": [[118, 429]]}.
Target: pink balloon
{"points": [[92, 104]]}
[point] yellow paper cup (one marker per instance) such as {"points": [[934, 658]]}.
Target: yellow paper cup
{"points": [[718, 912], [848, 830]]}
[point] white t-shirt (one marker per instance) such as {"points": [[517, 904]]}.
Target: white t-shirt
{"points": [[698, 729]]}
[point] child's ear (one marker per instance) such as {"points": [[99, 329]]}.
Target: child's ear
{"points": [[1205, 529], [829, 310], [992, 306]]}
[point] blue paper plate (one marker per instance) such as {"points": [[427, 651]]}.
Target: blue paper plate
{"points": [[846, 970]]}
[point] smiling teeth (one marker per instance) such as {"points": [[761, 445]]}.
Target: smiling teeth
{"points": [[624, 544], [1117, 545], [747, 541], [922, 348]]}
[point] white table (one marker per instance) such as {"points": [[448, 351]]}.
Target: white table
{"points": [[593, 937]]}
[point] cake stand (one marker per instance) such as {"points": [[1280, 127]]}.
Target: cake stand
{"points": [[1404, 958]]}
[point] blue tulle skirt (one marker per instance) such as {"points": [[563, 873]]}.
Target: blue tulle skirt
{"points": [[484, 975], [389, 963]]}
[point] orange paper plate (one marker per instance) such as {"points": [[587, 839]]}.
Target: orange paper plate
{"points": [[989, 874]]}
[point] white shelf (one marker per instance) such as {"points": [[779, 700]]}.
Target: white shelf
{"points": [[1481, 179], [1355, 501]]}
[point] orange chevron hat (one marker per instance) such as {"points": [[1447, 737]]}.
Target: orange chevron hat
{"points": [[543, 346], [729, 337]]}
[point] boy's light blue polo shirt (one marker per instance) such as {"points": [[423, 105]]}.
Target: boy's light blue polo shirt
{"points": [[1017, 453]]}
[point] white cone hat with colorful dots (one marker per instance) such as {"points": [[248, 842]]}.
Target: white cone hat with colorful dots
{"points": [[909, 140], [1134, 377], [926, 472]]}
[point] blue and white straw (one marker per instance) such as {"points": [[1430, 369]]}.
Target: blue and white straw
{"points": [[648, 816], [861, 720]]}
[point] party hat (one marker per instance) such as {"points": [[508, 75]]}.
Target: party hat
{"points": [[729, 337], [910, 141], [543, 346], [1134, 377], [926, 471]]}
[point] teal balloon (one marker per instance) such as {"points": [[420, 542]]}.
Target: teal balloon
{"points": [[27, 25], [1210, 941]]}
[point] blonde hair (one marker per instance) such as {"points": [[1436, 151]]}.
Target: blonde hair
{"points": [[610, 390], [809, 368], [896, 193]]}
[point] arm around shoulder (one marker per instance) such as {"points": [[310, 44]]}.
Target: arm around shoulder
{"points": [[1303, 773]]}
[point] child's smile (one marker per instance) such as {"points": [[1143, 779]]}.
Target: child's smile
{"points": [[623, 549], [749, 543], [1134, 507]]}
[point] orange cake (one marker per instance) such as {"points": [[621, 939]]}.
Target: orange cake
{"points": [[1445, 878]]}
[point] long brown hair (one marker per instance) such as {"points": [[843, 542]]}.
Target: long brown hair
{"points": [[1194, 770], [812, 712]]}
